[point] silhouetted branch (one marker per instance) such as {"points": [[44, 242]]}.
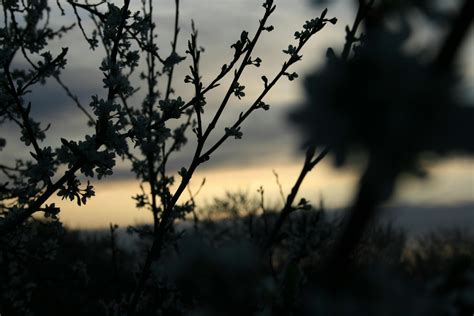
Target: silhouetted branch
{"points": [[309, 163]]}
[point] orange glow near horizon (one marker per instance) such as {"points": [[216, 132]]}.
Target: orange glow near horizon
{"points": [[450, 182]]}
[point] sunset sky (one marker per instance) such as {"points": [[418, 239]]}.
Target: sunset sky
{"points": [[269, 142]]}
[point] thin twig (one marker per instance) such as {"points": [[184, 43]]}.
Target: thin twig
{"points": [[74, 98], [173, 50], [309, 163]]}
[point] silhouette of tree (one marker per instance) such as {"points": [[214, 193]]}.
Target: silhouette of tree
{"points": [[375, 97], [395, 106]]}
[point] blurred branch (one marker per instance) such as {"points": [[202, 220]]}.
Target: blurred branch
{"points": [[378, 180], [456, 36]]}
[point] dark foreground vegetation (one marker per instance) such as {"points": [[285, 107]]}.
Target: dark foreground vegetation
{"points": [[218, 267]]}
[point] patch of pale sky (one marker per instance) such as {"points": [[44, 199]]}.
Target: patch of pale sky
{"points": [[113, 203]]}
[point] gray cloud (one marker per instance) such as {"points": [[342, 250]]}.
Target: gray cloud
{"points": [[267, 139], [267, 135]]}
